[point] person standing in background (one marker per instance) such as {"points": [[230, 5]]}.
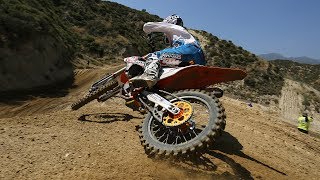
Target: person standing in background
{"points": [[304, 122]]}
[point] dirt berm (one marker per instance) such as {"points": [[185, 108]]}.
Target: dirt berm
{"points": [[41, 138]]}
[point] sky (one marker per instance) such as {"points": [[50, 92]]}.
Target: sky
{"points": [[288, 27]]}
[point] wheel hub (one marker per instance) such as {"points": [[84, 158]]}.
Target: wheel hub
{"points": [[184, 115]]}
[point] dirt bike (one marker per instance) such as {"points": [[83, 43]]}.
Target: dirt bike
{"points": [[183, 116]]}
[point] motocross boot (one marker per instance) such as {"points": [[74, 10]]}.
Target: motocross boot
{"points": [[149, 77]]}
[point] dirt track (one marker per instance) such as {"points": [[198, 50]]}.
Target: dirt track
{"points": [[41, 138]]}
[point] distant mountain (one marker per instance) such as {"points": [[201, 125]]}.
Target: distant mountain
{"points": [[272, 56], [302, 59]]}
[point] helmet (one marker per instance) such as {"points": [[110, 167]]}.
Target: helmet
{"points": [[174, 19], [305, 113]]}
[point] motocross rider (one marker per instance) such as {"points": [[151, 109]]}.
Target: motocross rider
{"points": [[184, 50]]}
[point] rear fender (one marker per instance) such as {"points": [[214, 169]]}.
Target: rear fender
{"points": [[197, 77]]}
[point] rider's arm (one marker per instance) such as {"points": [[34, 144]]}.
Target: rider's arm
{"points": [[162, 27], [311, 119], [168, 29]]}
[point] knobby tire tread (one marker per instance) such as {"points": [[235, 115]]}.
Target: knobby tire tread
{"points": [[94, 95], [198, 146]]}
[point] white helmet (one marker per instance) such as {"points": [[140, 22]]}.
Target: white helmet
{"points": [[174, 19]]}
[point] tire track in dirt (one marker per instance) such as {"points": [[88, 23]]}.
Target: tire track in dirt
{"points": [[33, 105], [100, 141]]}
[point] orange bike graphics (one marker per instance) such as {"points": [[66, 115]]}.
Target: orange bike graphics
{"points": [[197, 77]]}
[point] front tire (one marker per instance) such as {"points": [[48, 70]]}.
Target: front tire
{"points": [[195, 141]]}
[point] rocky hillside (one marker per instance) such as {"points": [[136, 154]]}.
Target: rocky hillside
{"points": [[304, 73], [51, 34], [35, 45], [308, 76], [106, 31], [41, 41], [264, 81]]}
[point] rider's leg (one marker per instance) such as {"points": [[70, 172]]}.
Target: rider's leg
{"points": [[187, 52], [178, 54], [150, 75]]}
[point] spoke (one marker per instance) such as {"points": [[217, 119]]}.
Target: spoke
{"points": [[166, 140], [161, 136], [190, 136], [170, 136], [176, 142], [157, 131], [194, 132], [175, 135], [165, 131], [155, 128], [183, 136], [154, 125]]}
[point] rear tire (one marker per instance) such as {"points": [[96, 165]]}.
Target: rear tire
{"points": [[216, 123], [94, 95]]}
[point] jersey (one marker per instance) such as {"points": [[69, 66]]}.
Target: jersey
{"points": [[303, 123], [184, 47]]}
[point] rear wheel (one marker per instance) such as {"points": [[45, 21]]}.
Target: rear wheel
{"points": [[206, 123], [94, 95]]}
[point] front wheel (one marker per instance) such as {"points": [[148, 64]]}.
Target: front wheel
{"points": [[205, 124]]}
